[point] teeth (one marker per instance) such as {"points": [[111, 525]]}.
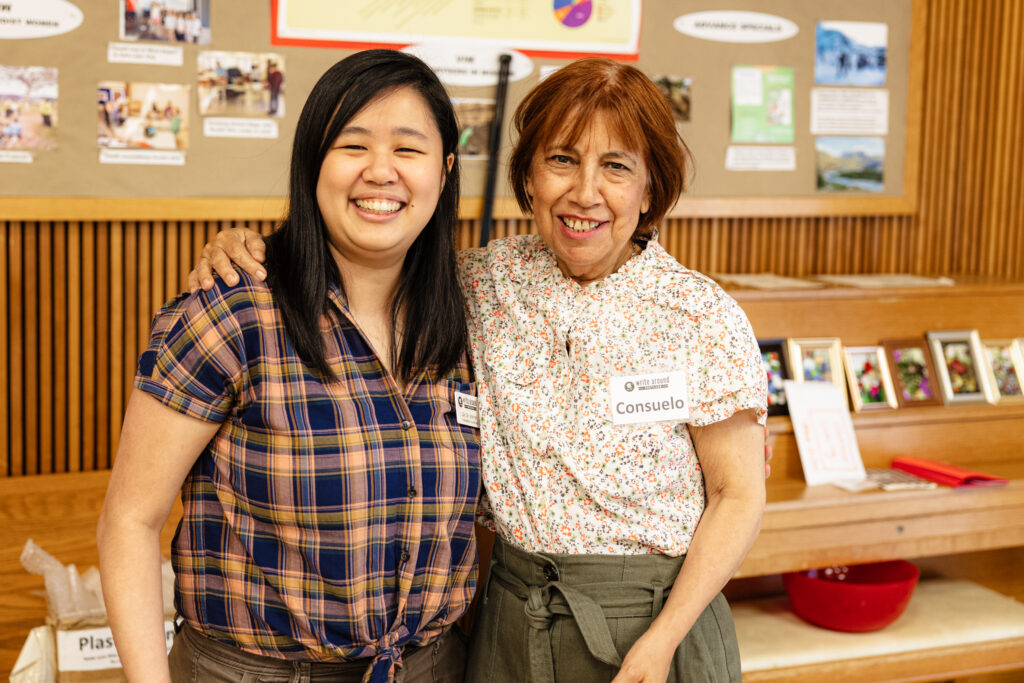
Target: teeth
{"points": [[578, 225], [378, 205]]}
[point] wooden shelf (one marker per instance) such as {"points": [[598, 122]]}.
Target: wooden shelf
{"points": [[807, 527], [976, 532], [950, 629]]}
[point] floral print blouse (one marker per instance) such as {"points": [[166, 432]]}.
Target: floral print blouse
{"points": [[559, 476]]}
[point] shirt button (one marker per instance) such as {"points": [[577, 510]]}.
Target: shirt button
{"points": [[412, 493], [406, 425], [405, 556]]}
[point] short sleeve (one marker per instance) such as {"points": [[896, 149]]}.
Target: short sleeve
{"points": [[725, 373], [195, 359]]}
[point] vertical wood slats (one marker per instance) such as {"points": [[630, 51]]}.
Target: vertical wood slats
{"points": [[78, 297]]}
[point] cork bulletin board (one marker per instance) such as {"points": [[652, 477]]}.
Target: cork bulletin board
{"points": [[226, 177]]}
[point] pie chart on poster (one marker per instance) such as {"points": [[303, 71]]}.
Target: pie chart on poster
{"points": [[573, 13]]}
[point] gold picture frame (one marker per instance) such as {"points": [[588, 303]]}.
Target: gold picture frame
{"points": [[867, 374], [962, 366], [1006, 362], [817, 359]]}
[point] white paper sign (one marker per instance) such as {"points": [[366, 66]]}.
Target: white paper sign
{"points": [[732, 26], [143, 53], [144, 157], [92, 649], [655, 397], [747, 87], [824, 433], [15, 156], [849, 111], [466, 410], [234, 127], [20, 19], [760, 158], [470, 63]]}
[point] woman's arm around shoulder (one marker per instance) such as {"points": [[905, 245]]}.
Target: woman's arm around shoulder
{"points": [[236, 247]]}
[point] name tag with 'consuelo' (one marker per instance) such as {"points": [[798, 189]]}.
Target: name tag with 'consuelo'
{"points": [[654, 397]]}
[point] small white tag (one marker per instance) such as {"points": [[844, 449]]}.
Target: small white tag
{"points": [[466, 412], [655, 397]]}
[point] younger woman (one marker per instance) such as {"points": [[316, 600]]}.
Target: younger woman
{"points": [[309, 421]]}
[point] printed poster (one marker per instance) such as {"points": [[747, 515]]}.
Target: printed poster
{"points": [[762, 104], [562, 28]]}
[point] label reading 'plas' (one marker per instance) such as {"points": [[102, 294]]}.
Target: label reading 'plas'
{"points": [[92, 649], [654, 397]]}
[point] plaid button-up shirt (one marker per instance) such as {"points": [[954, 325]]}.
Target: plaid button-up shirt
{"points": [[324, 521]]}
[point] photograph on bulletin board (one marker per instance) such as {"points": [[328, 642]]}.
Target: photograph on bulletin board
{"points": [[143, 115], [165, 21], [850, 53], [241, 84], [28, 107]]}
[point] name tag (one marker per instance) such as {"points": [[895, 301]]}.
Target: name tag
{"points": [[466, 412], [655, 397]]}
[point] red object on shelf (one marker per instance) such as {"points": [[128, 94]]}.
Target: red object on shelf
{"points": [[945, 473], [864, 597]]}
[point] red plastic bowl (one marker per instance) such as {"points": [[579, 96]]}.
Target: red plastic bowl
{"points": [[858, 598]]}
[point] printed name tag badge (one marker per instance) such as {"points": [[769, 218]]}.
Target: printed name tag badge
{"points": [[655, 397], [466, 412]]}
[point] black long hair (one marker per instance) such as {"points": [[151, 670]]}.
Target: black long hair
{"points": [[299, 264]]}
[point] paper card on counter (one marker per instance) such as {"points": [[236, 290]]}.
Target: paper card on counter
{"points": [[824, 433]]}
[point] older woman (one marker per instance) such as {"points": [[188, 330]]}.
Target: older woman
{"points": [[621, 405], [310, 422]]}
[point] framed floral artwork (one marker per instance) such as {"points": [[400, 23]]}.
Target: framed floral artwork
{"points": [[1006, 359], [817, 360], [776, 368], [868, 377], [913, 372], [962, 367]]}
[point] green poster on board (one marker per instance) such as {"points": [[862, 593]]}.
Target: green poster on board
{"points": [[762, 104]]}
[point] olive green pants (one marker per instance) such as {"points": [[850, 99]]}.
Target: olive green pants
{"points": [[548, 618]]}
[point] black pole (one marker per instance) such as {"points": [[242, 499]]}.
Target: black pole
{"points": [[494, 148]]}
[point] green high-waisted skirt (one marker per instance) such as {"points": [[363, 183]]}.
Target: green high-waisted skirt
{"points": [[548, 618]]}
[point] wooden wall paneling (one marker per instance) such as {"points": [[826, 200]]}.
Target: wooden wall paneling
{"points": [[89, 349], [198, 240], [185, 258], [30, 374], [156, 265], [45, 357], [1008, 66], [171, 247], [6, 390], [946, 158], [115, 402], [103, 380], [1014, 135], [74, 344], [143, 280], [132, 314], [971, 141], [988, 193], [60, 349]]}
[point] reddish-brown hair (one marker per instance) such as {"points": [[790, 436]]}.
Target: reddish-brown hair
{"points": [[561, 107]]}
